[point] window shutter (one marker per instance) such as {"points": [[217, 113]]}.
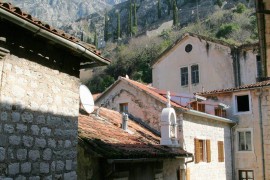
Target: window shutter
{"points": [[208, 150], [197, 150], [220, 151], [188, 174]]}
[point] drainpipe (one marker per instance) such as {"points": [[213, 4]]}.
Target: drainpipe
{"points": [[232, 151], [261, 130], [186, 163]]}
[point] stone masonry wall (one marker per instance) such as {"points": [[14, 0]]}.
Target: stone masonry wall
{"points": [[202, 128], [38, 121]]}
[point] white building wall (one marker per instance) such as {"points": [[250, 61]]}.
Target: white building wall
{"points": [[202, 128]]}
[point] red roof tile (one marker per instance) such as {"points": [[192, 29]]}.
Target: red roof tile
{"points": [[107, 139], [244, 87], [152, 91], [18, 12]]}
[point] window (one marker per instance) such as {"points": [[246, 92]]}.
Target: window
{"points": [[184, 76], [220, 112], [220, 151], [259, 66], [194, 74], [244, 141], [202, 150], [246, 175], [124, 107], [242, 103], [197, 106]]}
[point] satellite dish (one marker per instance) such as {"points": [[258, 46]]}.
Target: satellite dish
{"points": [[86, 99]]}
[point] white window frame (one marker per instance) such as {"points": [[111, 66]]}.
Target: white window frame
{"points": [[235, 102], [237, 139]]}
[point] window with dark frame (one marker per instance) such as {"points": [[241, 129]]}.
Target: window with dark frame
{"points": [[184, 76], [220, 112], [195, 74], [123, 107], [259, 66], [197, 106], [242, 103], [246, 175], [244, 141]]}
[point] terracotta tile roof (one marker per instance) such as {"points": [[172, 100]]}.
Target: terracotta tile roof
{"points": [[107, 139], [153, 92], [25, 16], [244, 87]]}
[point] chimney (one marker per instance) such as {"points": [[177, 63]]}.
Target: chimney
{"points": [[125, 121]]}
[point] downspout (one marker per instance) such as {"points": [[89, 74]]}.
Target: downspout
{"points": [[232, 151], [53, 37], [261, 130], [186, 163], [236, 66]]}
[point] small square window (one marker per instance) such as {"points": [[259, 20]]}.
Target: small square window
{"points": [[184, 76], [246, 175], [123, 107], [242, 103]]}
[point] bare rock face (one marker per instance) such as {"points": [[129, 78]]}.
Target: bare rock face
{"points": [[63, 12]]}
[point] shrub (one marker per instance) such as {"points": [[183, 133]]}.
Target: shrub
{"points": [[240, 8], [226, 30]]}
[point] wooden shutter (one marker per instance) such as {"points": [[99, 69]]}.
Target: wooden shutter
{"points": [[208, 150], [188, 174], [220, 151], [197, 150]]}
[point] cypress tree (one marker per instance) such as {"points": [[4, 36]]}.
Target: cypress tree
{"points": [[135, 23], [169, 7], [106, 28], [82, 36], [159, 9], [130, 22], [118, 26], [175, 14], [96, 39]]}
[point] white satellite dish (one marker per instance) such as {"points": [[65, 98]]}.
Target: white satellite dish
{"points": [[86, 99]]}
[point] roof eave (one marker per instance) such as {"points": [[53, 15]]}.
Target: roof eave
{"points": [[210, 116], [52, 37]]}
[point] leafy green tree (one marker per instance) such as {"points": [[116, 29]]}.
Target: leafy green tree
{"points": [[226, 29], [175, 14], [159, 9], [240, 8], [219, 3], [135, 21], [106, 27]]}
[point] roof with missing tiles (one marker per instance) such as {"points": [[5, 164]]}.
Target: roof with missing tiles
{"points": [[244, 87], [9, 8], [104, 137]]}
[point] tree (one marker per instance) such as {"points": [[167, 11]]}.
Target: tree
{"points": [[118, 26], [175, 14], [82, 36], [219, 3], [159, 9], [169, 7], [130, 20], [106, 27], [135, 23], [96, 39]]}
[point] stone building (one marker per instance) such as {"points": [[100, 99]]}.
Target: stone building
{"points": [[39, 97], [207, 136], [109, 151], [250, 108], [197, 63]]}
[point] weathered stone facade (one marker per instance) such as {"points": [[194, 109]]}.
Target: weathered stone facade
{"points": [[144, 106], [38, 121], [203, 128]]}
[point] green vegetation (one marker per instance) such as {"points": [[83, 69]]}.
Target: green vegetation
{"points": [[133, 57], [118, 33], [159, 9], [106, 27], [175, 14]]}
